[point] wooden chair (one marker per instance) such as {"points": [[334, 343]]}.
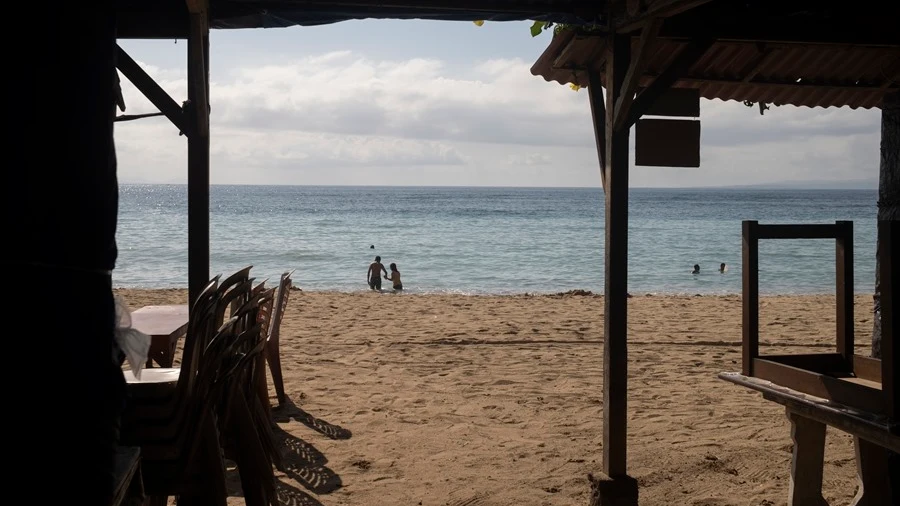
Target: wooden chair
{"points": [[273, 353], [190, 463], [246, 432], [161, 393]]}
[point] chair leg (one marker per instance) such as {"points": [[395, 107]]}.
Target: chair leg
{"points": [[257, 477], [273, 357], [261, 384], [207, 485], [872, 470]]}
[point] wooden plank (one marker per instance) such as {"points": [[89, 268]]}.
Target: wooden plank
{"points": [[820, 385], [598, 115], [867, 368], [667, 143], [844, 288], [822, 363], [154, 93], [639, 60], [678, 102], [870, 426], [798, 231], [689, 55], [615, 343], [750, 295]]}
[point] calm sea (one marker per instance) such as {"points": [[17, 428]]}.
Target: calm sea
{"points": [[489, 240]]}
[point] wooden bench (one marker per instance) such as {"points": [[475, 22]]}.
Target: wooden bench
{"points": [[128, 485], [873, 436]]}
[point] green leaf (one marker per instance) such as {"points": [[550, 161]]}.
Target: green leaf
{"points": [[537, 28]]}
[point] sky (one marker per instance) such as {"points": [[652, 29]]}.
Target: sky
{"points": [[427, 103]]}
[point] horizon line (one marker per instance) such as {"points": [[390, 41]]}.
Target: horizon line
{"points": [[813, 185]]}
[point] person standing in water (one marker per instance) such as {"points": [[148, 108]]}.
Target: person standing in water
{"points": [[373, 277], [723, 268], [696, 269], [394, 278]]}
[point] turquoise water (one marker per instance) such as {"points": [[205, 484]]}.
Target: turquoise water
{"points": [[489, 240]]}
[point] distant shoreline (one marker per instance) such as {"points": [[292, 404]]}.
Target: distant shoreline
{"points": [[461, 293]]}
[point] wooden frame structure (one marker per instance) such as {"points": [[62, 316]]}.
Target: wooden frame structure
{"points": [[825, 375], [765, 52]]}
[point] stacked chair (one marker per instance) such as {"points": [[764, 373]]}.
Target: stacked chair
{"points": [[189, 420]]}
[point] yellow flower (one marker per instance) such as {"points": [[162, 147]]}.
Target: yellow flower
{"points": [[479, 22], [574, 86]]}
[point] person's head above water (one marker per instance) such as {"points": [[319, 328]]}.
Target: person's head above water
{"points": [[378, 259], [696, 267], [393, 266], [722, 266]]}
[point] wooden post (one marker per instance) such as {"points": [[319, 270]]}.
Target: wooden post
{"points": [[844, 290], [888, 232], [615, 350], [888, 195], [198, 154], [614, 487], [750, 296]]}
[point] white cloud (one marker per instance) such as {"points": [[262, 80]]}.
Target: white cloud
{"points": [[341, 118]]}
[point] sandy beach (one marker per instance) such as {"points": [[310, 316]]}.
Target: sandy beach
{"points": [[497, 400]]}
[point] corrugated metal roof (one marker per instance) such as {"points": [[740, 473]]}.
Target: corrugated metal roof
{"points": [[812, 75]]}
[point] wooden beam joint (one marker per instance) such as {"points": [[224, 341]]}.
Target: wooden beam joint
{"points": [[639, 60], [154, 93], [679, 68]]}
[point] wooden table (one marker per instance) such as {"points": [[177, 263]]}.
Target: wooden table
{"points": [[165, 325], [873, 436]]}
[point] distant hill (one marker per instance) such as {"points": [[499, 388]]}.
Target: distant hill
{"points": [[850, 184]]}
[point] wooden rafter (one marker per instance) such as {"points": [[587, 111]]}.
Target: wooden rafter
{"points": [[639, 60], [154, 93]]}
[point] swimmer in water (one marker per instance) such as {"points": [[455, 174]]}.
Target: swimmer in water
{"points": [[723, 268], [696, 269]]}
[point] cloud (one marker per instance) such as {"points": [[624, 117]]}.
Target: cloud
{"points": [[330, 118]]}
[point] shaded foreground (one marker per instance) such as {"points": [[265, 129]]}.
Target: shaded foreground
{"points": [[496, 400]]}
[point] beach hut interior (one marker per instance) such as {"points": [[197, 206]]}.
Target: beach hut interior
{"points": [[645, 64]]}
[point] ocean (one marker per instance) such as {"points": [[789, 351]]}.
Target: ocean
{"points": [[479, 240]]}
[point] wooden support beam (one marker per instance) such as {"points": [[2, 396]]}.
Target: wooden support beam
{"points": [[198, 154], [677, 69], [615, 343], [146, 85], [639, 60], [598, 115]]}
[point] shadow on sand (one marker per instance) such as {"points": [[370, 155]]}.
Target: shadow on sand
{"points": [[290, 411]]}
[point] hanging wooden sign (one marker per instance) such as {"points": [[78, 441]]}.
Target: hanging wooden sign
{"points": [[667, 143]]}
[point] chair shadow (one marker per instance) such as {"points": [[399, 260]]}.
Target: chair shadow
{"points": [[305, 464], [290, 411], [285, 494], [289, 495]]}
